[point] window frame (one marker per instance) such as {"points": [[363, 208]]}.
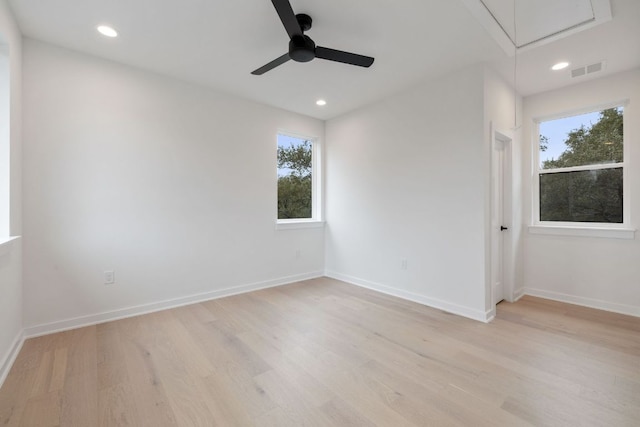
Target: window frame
{"points": [[589, 229], [316, 219], [5, 144]]}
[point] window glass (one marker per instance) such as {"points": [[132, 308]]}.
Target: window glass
{"points": [[295, 177], [582, 196], [585, 139], [581, 168]]}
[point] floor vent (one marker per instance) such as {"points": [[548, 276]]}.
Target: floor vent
{"points": [[587, 69]]}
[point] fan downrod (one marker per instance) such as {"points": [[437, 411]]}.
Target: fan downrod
{"points": [[304, 21]]}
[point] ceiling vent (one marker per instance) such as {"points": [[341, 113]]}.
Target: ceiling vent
{"points": [[587, 69]]}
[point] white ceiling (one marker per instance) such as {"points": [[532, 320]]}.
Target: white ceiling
{"points": [[615, 42], [218, 43]]}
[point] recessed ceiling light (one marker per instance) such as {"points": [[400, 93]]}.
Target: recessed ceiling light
{"points": [[321, 102], [107, 31], [560, 66]]}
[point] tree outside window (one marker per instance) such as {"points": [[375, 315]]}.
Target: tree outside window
{"points": [[295, 177], [581, 168]]}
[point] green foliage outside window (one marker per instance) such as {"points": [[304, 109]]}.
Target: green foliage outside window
{"points": [[592, 195], [582, 196], [591, 145], [295, 191]]}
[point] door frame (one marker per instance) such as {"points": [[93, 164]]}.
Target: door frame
{"points": [[504, 138]]}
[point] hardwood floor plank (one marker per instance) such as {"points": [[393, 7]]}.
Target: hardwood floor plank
{"points": [[308, 388], [338, 413], [228, 370], [149, 396], [369, 398], [277, 417], [112, 367], [79, 402], [15, 392], [289, 399], [42, 410], [117, 406], [226, 403], [42, 380], [59, 369]]}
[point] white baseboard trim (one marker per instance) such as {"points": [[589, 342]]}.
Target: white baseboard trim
{"points": [[94, 319], [517, 294], [421, 299], [583, 301], [10, 357], [490, 315]]}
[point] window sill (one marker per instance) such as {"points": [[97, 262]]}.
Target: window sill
{"points": [[6, 243], [610, 233], [293, 224]]}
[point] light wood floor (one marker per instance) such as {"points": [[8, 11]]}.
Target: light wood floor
{"points": [[324, 353]]}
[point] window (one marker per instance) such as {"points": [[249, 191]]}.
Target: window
{"points": [[298, 179], [581, 170]]}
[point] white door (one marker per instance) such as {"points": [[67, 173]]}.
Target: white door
{"points": [[498, 227]]}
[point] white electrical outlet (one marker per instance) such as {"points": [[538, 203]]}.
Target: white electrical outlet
{"points": [[403, 264], [109, 277]]}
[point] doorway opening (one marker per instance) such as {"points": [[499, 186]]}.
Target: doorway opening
{"points": [[501, 286]]}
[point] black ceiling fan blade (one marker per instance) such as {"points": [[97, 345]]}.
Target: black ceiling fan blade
{"points": [[344, 57], [288, 18], [271, 65]]}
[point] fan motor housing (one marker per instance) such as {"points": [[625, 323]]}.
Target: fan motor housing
{"points": [[302, 49]]}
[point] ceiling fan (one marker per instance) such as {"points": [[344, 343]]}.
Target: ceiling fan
{"points": [[301, 47]]}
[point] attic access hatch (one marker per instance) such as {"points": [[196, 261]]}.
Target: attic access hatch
{"points": [[536, 22]]}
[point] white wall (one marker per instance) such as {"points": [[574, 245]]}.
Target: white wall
{"points": [[405, 179], [10, 252], [171, 185], [598, 272]]}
